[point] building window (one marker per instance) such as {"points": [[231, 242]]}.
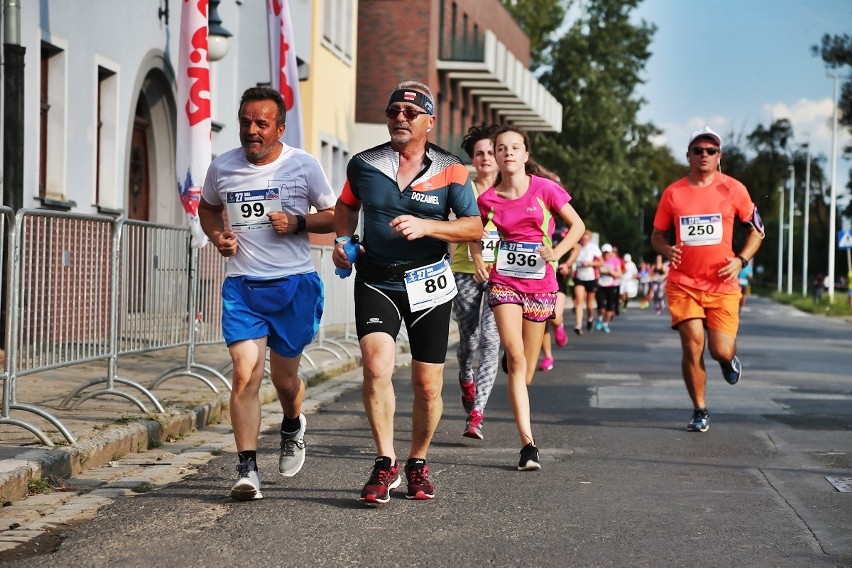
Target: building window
{"points": [[338, 19], [52, 121], [334, 159], [106, 175]]}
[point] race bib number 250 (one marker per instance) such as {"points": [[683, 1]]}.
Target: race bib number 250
{"points": [[701, 230]]}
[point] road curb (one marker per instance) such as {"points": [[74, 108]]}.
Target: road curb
{"points": [[62, 462]]}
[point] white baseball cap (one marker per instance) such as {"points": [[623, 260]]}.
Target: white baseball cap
{"points": [[705, 132], [606, 248]]}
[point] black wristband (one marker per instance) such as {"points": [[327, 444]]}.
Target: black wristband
{"points": [[743, 260], [300, 224]]}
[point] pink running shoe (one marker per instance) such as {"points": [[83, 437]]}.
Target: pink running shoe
{"points": [[474, 425], [561, 336], [546, 364], [468, 392]]}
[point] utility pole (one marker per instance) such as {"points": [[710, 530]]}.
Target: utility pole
{"points": [[807, 221], [832, 213], [790, 229], [780, 235]]}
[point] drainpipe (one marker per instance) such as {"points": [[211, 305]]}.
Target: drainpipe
{"points": [[13, 106]]}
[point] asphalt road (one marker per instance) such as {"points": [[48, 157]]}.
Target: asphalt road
{"points": [[622, 484]]}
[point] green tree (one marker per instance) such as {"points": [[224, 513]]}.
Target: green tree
{"points": [[539, 19], [836, 52], [603, 154]]}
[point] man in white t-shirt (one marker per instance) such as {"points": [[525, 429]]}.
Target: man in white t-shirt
{"points": [[272, 295]]}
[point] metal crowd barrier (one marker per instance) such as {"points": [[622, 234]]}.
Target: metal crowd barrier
{"points": [[85, 288]]}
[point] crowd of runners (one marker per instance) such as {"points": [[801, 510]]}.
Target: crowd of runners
{"points": [[502, 253]]}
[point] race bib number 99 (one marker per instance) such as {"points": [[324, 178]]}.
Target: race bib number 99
{"points": [[520, 260], [430, 286], [248, 208], [701, 230]]}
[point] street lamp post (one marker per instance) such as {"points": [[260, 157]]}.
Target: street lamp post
{"points": [[780, 235], [790, 230], [217, 36], [807, 220], [832, 215]]}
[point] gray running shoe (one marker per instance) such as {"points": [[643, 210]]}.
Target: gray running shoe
{"points": [[247, 487], [292, 456]]}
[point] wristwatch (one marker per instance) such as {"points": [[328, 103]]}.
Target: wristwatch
{"points": [[342, 240], [300, 224], [743, 260]]}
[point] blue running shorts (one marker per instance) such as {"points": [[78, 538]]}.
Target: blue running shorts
{"points": [[287, 310]]}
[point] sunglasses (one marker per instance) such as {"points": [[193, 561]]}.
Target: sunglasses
{"points": [[697, 151], [407, 112]]}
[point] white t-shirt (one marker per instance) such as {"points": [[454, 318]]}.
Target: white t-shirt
{"points": [[294, 183], [588, 253]]}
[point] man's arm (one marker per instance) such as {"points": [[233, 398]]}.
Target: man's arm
{"points": [[213, 225], [660, 242], [458, 230], [345, 221]]}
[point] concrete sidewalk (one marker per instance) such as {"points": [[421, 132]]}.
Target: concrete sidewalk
{"points": [[109, 426]]}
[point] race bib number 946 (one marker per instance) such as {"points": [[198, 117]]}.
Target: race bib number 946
{"points": [[520, 260], [701, 230]]}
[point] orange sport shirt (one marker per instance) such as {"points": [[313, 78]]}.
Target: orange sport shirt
{"points": [[703, 220]]}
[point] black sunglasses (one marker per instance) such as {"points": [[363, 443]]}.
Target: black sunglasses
{"points": [[697, 151], [407, 112]]}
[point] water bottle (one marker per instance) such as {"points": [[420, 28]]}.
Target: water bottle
{"points": [[352, 247]]}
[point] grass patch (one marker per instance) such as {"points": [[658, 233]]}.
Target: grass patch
{"points": [[838, 308], [143, 487], [39, 487]]}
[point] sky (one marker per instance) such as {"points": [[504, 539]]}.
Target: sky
{"points": [[734, 64]]}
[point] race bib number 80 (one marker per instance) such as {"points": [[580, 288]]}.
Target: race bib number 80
{"points": [[520, 260], [701, 230], [430, 286]]}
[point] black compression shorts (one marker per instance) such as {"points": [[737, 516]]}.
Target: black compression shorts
{"points": [[384, 311]]}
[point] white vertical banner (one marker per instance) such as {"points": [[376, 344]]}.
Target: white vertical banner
{"points": [[285, 73], [194, 146]]}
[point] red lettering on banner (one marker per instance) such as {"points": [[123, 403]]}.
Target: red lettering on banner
{"points": [[198, 105], [285, 88]]}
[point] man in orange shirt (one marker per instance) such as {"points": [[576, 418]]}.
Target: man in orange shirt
{"points": [[702, 288]]}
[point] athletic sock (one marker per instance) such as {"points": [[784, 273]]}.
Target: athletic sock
{"points": [[248, 455], [291, 424]]}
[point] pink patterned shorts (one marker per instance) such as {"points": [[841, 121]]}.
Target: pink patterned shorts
{"points": [[539, 306]]}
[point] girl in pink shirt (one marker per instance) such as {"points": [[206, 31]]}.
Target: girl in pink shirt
{"points": [[522, 283]]}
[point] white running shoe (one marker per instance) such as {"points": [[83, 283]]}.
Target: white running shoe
{"points": [[292, 456], [247, 486]]}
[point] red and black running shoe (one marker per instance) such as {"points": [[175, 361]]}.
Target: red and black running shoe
{"points": [[384, 477], [468, 392], [417, 475]]}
